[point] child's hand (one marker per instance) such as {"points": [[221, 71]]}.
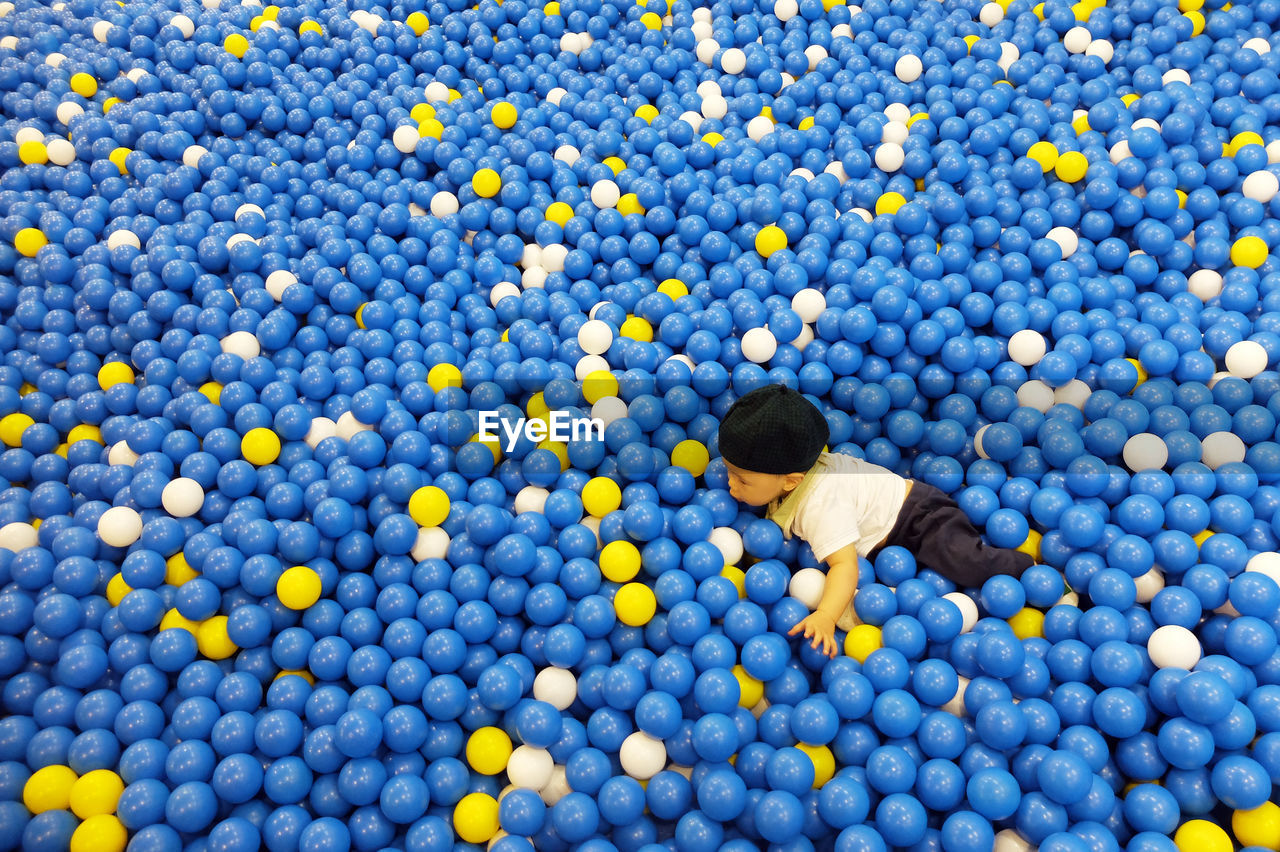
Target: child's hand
{"points": [[821, 628]]}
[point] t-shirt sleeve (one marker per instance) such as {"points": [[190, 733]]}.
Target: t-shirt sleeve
{"points": [[828, 519]]}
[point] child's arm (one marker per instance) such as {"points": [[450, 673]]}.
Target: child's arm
{"points": [[841, 586]]}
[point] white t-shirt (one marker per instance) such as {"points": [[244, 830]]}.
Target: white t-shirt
{"points": [[843, 500]]}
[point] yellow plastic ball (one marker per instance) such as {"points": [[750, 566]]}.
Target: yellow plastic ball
{"points": [[29, 241], [101, 833], [429, 506], [738, 577], [96, 793], [1258, 827], [862, 641], [84, 85], [418, 22], [551, 9], [713, 139], [1071, 166], [84, 432], [236, 45], [475, 818], [174, 620], [636, 328], [1249, 251], [1045, 154], [488, 750], [12, 426], [118, 157], [673, 288], [750, 690], [1027, 622], [486, 183], [559, 212], [691, 455], [212, 639], [260, 446], [635, 604], [770, 239], [1031, 546], [629, 205], [1200, 835], [115, 373], [889, 203], [33, 153], [503, 115], [117, 588], [651, 21], [298, 587], [443, 376], [211, 391], [49, 789], [598, 385], [600, 496], [1197, 21], [177, 570], [619, 561], [824, 763]]}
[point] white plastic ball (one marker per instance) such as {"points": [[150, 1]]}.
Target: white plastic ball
{"points": [[1246, 359], [535, 277], [567, 154], [895, 131], [609, 409], [28, 134], [557, 788], [1149, 585], [55, 59], [530, 767], [804, 338], [759, 345], [68, 110], [123, 237], [248, 208], [1204, 284], [191, 156], [61, 152], [991, 14], [1077, 39], [100, 31], [702, 30], [405, 138], [1036, 394], [531, 498], [729, 542], [785, 10], [908, 68], [1120, 151], [809, 304], [968, 609], [835, 167], [977, 441], [432, 543], [889, 157], [1173, 646], [693, 119], [706, 50], [1145, 451], [552, 259], [759, 127], [1067, 240], [715, 107], [733, 61], [279, 281], [185, 25], [605, 193], [956, 705], [897, 112], [554, 96], [182, 497], [348, 426], [1261, 185], [444, 204], [557, 687], [1102, 49], [1027, 347], [1221, 448], [242, 343], [321, 428], [18, 536], [589, 364], [1009, 54], [642, 756], [120, 526], [502, 290], [815, 53], [1175, 75], [121, 453], [1267, 562], [1074, 393], [806, 586], [1259, 46], [1009, 840]]}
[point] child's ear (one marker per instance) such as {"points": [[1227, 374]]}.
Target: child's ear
{"points": [[791, 480]]}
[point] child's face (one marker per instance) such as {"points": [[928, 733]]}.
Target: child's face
{"points": [[758, 489]]}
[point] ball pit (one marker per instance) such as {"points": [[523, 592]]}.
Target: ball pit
{"points": [[267, 580]]}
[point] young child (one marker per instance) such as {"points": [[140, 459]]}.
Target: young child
{"points": [[772, 441]]}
